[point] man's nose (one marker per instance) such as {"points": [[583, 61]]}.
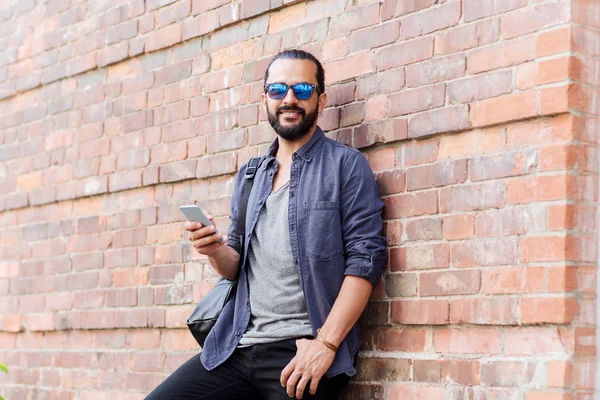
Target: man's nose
{"points": [[290, 97]]}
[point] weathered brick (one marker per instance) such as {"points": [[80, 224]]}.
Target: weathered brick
{"points": [[437, 70], [404, 53], [431, 20]]}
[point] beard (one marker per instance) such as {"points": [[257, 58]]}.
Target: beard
{"points": [[297, 131]]}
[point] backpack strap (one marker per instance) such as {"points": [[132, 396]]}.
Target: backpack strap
{"points": [[251, 169]]}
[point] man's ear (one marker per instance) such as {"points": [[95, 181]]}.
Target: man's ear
{"points": [[322, 102], [263, 100]]}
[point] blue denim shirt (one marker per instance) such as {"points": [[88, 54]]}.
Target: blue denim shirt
{"points": [[335, 226]]}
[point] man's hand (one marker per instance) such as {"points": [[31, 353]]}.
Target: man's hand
{"points": [[311, 362], [205, 239]]}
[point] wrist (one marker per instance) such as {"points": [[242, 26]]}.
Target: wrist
{"points": [[331, 346]]}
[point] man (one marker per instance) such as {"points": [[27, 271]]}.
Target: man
{"points": [[315, 250]]}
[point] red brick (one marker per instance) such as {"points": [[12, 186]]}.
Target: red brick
{"points": [[480, 87], [404, 53], [503, 165], [200, 25], [507, 373], [537, 340], [380, 83], [410, 101], [172, 73], [539, 73], [163, 38], [458, 227], [413, 204], [355, 19], [397, 339], [390, 182], [534, 18], [449, 283], [562, 279], [438, 70], [466, 37], [395, 8], [441, 120], [382, 159], [177, 171], [424, 229], [541, 188], [548, 130], [484, 252], [420, 312], [475, 9], [380, 132], [434, 175], [401, 285], [417, 257], [168, 15], [136, 121], [223, 79], [473, 197], [417, 152], [503, 54], [352, 114], [552, 42], [376, 109], [467, 341], [513, 280], [374, 37], [559, 310], [510, 221], [350, 67], [484, 311], [505, 108], [431, 20], [383, 369], [179, 130], [412, 391]]}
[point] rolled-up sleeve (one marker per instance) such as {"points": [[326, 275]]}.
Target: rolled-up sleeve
{"points": [[233, 236], [362, 224]]}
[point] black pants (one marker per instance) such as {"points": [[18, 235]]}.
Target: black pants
{"points": [[251, 373]]}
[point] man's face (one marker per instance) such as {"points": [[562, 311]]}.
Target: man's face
{"points": [[290, 117]]}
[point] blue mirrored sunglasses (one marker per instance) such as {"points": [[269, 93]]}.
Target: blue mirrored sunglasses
{"points": [[302, 91]]}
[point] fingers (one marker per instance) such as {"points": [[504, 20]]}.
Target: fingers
{"points": [[287, 371], [210, 249], [314, 385], [293, 382], [202, 232], [301, 386]]}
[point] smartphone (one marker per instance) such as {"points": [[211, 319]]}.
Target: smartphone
{"points": [[194, 214]]}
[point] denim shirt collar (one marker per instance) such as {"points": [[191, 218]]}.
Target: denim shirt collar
{"points": [[307, 151]]}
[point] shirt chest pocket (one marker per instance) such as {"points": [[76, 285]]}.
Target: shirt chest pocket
{"points": [[323, 230]]}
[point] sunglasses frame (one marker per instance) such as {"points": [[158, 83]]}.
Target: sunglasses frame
{"points": [[314, 87]]}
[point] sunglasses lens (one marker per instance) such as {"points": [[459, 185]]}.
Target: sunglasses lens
{"points": [[303, 91], [277, 91]]}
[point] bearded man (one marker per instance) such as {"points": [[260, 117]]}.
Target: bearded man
{"points": [[315, 251]]}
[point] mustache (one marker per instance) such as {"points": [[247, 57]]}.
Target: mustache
{"points": [[289, 108]]}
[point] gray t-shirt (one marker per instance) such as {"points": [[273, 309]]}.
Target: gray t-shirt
{"points": [[276, 297]]}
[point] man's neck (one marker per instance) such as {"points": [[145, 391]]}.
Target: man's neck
{"points": [[287, 148]]}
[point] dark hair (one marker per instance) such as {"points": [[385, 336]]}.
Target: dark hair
{"points": [[300, 55]]}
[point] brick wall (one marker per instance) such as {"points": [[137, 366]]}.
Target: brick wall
{"points": [[479, 117]]}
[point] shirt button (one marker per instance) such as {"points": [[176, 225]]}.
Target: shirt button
{"points": [[237, 333], [270, 174], [260, 203]]}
